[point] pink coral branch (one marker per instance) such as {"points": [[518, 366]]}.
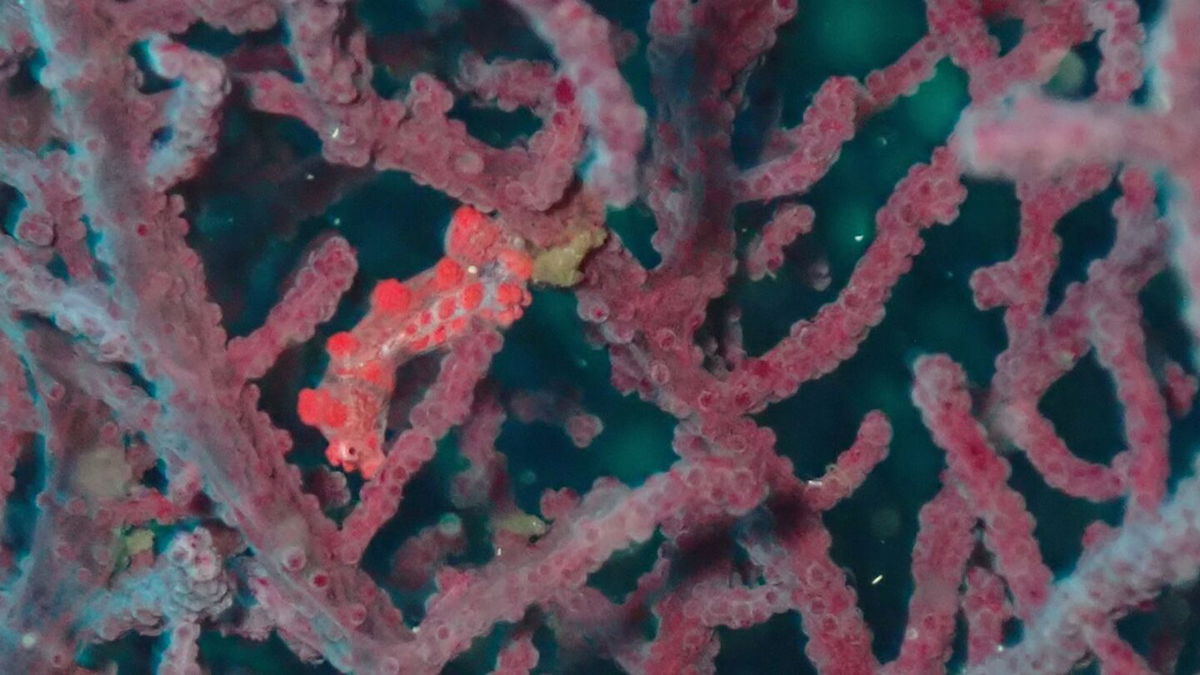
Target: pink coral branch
{"points": [[117, 374], [582, 42], [311, 298]]}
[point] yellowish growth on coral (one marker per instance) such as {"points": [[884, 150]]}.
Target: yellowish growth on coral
{"points": [[520, 523], [138, 540], [559, 266], [132, 542]]}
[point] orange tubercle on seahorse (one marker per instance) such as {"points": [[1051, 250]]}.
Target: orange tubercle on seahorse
{"points": [[348, 408], [471, 236], [518, 264], [317, 408], [480, 280], [341, 344], [391, 295]]}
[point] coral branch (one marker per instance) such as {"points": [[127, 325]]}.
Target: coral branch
{"points": [[358, 494]]}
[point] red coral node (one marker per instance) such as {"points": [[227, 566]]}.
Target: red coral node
{"points": [[391, 295], [311, 406], [341, 344], [517, 263], [471, 235], [472, 296], [447, 274]]}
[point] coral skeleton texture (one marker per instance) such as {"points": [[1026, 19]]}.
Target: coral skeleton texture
{"points": [[189, 472]]}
